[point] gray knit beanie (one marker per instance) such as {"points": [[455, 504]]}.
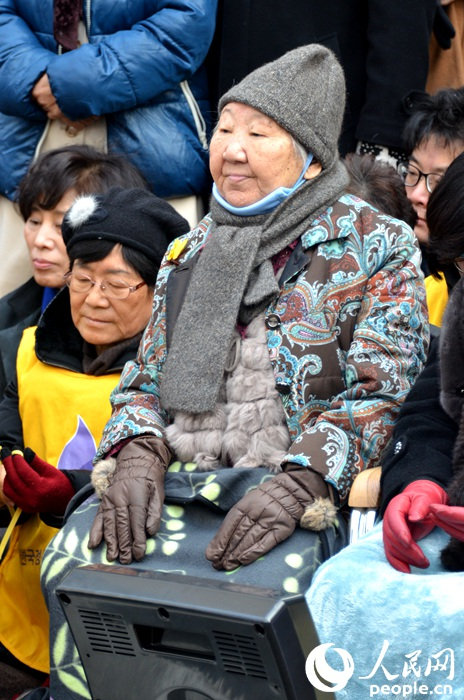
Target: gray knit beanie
{"points": [[304, 92]]}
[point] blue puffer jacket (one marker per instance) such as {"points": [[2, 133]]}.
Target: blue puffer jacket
{"points": [[141, 68]]}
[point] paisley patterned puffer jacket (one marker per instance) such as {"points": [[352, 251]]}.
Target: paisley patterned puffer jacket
{"points": [[347, 336]]}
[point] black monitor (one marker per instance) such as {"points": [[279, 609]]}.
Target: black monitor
{"points": [[162, 636]]}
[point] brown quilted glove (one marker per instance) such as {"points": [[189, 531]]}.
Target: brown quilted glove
{"points": [[132, 504], [265, 516]]}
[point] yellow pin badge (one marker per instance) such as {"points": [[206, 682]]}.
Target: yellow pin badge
{"points": [[177, 247]]}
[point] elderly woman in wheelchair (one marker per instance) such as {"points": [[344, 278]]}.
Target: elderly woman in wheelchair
{"points": [[286, 330]]}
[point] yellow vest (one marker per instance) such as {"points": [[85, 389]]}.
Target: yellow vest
{"points": [[63, 414], [437, 298]]}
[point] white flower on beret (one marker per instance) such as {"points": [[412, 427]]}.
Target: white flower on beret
{"points": [[81, 210]]}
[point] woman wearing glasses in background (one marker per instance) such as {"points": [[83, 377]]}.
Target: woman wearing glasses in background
{"points": [[50, 186], [67, 365], [434, 136]]}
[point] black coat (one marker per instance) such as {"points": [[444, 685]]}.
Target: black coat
{"points": [[18, 310], [383, 46], [20, 303], [423, 438]]}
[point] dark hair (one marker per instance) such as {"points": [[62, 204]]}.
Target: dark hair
{"points": [[440, 115], [82, 168], [445, 218], [97, 249], [378, 183]]}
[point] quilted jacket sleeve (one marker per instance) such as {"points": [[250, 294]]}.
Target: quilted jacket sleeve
{"points": [[117, 70], [136, 407], [23, 59], [386, 353], [132, 66]]}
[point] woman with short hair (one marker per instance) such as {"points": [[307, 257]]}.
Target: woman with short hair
{"points": [[53, 414]]}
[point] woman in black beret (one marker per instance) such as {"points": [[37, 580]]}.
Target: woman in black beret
{"points": [[53, 414]]}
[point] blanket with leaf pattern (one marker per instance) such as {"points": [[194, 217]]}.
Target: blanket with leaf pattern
{"points": [[195, 505]]}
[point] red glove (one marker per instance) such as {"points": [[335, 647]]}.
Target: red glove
{"points": [[34, 485], [408, 518], [450, 519]]}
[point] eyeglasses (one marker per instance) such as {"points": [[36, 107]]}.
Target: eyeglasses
{"points": [[412, 175], [459, 263], [81, 284]]}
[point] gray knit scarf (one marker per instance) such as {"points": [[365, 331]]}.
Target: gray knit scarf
{"points": [[232, 281]]}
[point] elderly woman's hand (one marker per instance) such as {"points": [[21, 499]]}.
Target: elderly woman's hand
{"points": [[131, 506], [264, 517]]}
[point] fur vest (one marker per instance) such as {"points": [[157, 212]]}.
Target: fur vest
{"points": [[247, 427]]}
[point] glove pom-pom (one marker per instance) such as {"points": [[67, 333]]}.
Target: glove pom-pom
{"points": [[101, 475], [319, 515]]}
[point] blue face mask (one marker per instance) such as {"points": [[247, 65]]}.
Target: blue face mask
{"points": [[267, 203]]}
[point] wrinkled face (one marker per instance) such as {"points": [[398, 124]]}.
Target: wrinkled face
{"points": [[47, 250], [431, 156], [103, 321], [251, 155]]}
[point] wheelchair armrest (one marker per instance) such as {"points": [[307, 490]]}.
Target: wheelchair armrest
{"points": [[364, 500], [365, 490]]}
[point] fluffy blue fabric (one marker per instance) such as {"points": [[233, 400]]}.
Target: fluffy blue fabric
{"points": [[403, 631]]}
